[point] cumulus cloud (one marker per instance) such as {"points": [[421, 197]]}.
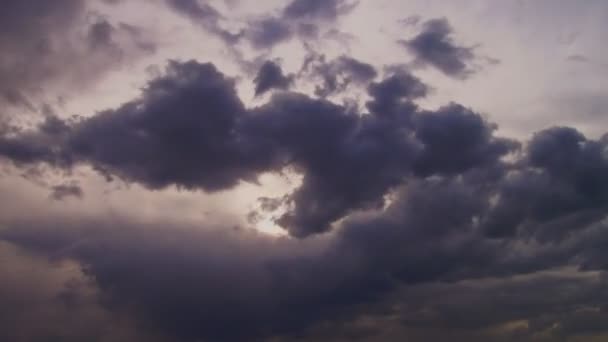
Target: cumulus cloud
{"points": [[187, 281], [190, 129], [393, 95]]}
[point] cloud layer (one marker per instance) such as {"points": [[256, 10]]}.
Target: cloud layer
{"points": [[409, 221]]}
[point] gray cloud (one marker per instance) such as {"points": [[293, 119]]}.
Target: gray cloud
{"points": [[204, 138], [456, 139], [329, 10], [63, 191], [187, 281], [303, 19], [41, 48], [270, 76], [269, 32], [435, 46], [204, 14], [337, 74], [409, 223], [393, 96], [46, 300]]}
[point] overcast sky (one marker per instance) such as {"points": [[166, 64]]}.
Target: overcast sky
{"points": [[303, 170]]}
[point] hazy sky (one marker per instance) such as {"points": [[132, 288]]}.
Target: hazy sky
{"points": [[303, 170]]}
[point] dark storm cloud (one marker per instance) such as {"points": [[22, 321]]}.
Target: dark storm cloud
{"points": [[290, 284], [376, 153], [563, 173], [191, 130], [415, 197], [456, 139], [537, 307], [470, 308], [202, 137], [192, 110], [182, 132], [187, 281], [436, 47], [53, 301], [270, 76], [409, 224], [208, 268]]}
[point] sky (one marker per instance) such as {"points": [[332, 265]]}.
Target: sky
{"points": [[303, 170]]}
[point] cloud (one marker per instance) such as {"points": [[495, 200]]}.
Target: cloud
{"points": [[318, 9], [44, 49], [208, 267], [204, 14], [270, 76], [63, 191], [435, 46], [456, 139], [393, 96], [204, 138], [268, 32], [562, 175], [302, 19], [336, 75], [424, 251], [375, 152], [51, 300], [24, 40], [404, 216], [183, 121]]}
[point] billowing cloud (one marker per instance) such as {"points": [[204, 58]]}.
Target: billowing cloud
{"points": [[203, 137], [393, 96], [187, 281], [456, 139]]}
